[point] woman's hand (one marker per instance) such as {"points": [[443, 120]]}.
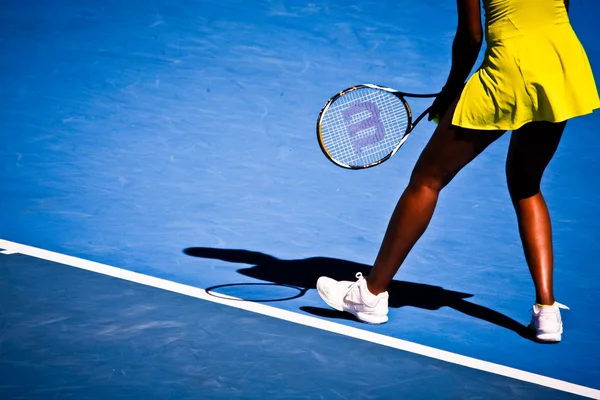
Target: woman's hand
{"points": [[444, 100]]}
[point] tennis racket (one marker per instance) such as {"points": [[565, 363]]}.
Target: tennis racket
{"points": [[365, 125]]}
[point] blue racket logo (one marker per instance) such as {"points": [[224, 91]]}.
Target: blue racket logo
{"points": [[373, 121]]}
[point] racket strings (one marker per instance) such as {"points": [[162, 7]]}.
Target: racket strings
{"points": [[363, 126]]}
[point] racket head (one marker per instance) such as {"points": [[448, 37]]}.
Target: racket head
{"points": [[363, 126]]}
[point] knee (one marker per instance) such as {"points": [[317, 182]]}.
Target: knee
{"points": [[430, 182], [521, 186]]}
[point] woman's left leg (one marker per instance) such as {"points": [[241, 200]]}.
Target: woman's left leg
{"points": [[531, 149]]}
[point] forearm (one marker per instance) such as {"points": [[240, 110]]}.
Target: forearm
{"points": [[465, 50]]}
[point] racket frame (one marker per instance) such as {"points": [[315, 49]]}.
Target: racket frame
{"points": [[410, 125]]}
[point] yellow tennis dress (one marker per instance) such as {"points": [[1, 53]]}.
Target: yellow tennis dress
{"points": [[534, 69]]}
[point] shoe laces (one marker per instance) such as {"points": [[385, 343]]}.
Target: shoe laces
{"points": [[359, 277]]}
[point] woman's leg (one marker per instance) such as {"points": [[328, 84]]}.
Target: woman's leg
{"points": [[531, 149], [448, 151]]}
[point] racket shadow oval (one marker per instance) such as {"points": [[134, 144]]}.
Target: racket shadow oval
{"points": [[302, 274], [245, 293]]}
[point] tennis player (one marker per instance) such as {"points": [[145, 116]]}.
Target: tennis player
{"points": [[535, 76]]}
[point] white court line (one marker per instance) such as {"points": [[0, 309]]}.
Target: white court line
{"points": [[12, 248], [6, 251]]}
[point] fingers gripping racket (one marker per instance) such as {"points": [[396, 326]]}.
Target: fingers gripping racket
{"points": [[365, 125]]}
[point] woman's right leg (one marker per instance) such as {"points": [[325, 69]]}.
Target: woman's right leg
{"points": [[448, 151]]}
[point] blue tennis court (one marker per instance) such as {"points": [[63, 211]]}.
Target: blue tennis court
{"points": [[165, 211]]}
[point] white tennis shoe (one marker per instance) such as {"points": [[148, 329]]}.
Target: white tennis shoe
{"points": [[354, 298], [547, 322]]}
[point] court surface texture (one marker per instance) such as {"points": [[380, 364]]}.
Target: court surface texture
{"points": [[165, 212]]}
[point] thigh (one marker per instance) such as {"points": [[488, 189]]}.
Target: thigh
{"points": [[530, 151], [448, 151]]}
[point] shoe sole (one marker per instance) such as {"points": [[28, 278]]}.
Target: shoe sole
{"points": [[370, 319], [550, 337]]}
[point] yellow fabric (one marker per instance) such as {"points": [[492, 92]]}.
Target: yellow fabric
{"points": [[546, 305], [534, 69]]}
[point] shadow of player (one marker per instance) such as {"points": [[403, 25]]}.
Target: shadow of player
{"points": [[303, 274]]}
